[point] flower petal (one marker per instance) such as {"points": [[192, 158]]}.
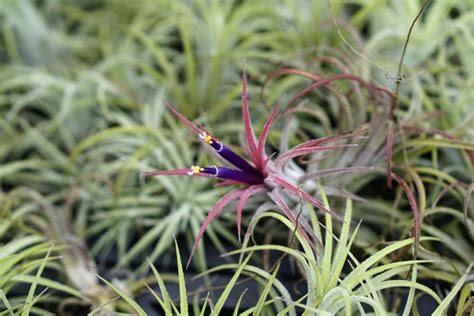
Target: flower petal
{"points": [[219, 147], [226, 153], [225, 200], [232, 174], [218, 172]]}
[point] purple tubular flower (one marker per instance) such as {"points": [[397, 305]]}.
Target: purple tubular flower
{"points": [[226, 153], [231, 174]]}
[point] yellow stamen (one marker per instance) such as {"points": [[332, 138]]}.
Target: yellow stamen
{"points": [[207, 138], [195, 170]]}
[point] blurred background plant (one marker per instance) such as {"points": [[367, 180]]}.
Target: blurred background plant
{"points": [[82, 84]]}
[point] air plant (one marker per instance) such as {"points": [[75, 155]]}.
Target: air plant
{"points": [[263, 174]]}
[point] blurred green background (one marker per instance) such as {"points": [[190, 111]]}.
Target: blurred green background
{"points": [[82, 85]]}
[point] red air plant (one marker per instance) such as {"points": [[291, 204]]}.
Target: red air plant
{"points": [[261, 175]]}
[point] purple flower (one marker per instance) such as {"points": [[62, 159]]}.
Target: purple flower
{"points": [[261, 174]]}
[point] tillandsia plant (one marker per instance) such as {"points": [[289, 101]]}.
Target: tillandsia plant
{"points": [[263, 174]]}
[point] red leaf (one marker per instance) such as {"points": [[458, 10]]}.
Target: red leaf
{"points": [[276, 197], [332, 172], [228, 182], [183, 119], [388, 150], [327, 80], [308, 198], [280, 161], [329, 139], [288, 71], [247, 193], [264, 134], [249, 133], [416, 213], [225, 200], [467, 198]]}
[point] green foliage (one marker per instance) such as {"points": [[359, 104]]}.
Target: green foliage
{"points": [[81, 118], [332, 290]]}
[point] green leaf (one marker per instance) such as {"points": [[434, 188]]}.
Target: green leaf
{"points": [[31, 292], [183, 299], [225, 294], [6, 303], [164, 292], [125, 297], [266, 290], [443, 306], [237, 306], [47, 283], [411, 293]]}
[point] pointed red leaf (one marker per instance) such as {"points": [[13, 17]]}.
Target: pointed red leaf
{"points": [[228, 182], [225, 200], [280, 161], [327, 80], [467, 199], [329, 139], [308, 198], [247, 193], [276, 197], [265, 207], [331, 191], [332, 172], [183, 119], [265, 163], [444, 191], [249, 133], [416, 213], [264, 134], [388, 150]]}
